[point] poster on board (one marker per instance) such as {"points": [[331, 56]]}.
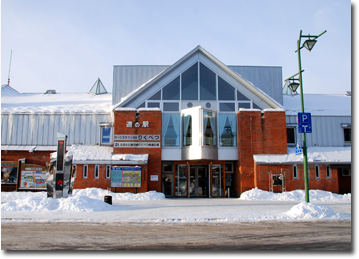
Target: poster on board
{"points": [[125, 176], [9, 172], [32, 177]]}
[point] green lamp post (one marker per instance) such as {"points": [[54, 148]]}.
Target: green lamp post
{"points": [[293, 84]]}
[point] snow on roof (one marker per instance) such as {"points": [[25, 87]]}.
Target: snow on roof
{"points": [[7, 90], [340, 155], [318, 104], [94, 154], [56, 103]]}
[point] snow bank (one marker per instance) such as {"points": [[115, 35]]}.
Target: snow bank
{"points": [[297, 195], [84, 200], [313, 211]]}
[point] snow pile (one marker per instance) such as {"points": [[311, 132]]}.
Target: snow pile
{"points": [[73, 204], [313, 211], [84, 200], [297, 195], [98, 194]]}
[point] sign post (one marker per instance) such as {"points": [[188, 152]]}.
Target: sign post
{"points": [[60, 164], [304, 122]]}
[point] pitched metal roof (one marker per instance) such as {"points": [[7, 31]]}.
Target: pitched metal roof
{"points": [[256, 91]]}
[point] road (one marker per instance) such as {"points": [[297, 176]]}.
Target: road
{"points": [[289, 236]]}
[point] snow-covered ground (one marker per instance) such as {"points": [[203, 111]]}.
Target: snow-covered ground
{"points": [[255, 205]]}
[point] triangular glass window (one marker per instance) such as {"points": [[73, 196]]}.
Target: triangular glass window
{"points": [[225, 90], [98, 88], [156, 96], [172, 90], [255, 106], [241, 97]]}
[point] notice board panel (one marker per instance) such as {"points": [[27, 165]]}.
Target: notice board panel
{"points": [[126, 176]]}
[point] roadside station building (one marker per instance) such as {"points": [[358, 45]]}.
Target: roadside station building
{"points": [[197, 128]]}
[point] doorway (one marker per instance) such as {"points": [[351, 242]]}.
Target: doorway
{"points": [[198, 186]]}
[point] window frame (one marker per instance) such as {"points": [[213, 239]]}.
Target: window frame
{"points": [[108, 172], [85, 171], [317, 171], [329, 172], [110, 141], [295, 171], [96, 172], [293, 127]]}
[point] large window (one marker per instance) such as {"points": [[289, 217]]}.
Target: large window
{"points": [[171, 129], [172, 90], [209, 128], [225, 90], [190, 83], [227, 130], [207, 83]]}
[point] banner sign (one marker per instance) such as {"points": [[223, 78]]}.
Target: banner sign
{"points": [[138, 137], [138, 144], [32, 177], [125, 176], [9, 172]]}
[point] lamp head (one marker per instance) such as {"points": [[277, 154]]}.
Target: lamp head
{"points": [[309, 44], [293, 86]]}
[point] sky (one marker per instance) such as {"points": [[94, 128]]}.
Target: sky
{"points": [[66, 45]]}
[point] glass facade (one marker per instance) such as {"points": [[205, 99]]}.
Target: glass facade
{"points": [[208, 89], [209, 128], [227, 130], [170, 129], [190, 83]]}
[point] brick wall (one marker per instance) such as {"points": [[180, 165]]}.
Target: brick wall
{"points": [[36, 157], [322, 183], [257, 134]]}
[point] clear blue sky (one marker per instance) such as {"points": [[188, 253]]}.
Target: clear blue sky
{"points": [[66, 45]]}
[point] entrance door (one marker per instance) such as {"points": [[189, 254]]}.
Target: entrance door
{"points": [[198, 186]]}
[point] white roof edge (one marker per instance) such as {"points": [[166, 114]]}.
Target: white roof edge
{"points": [[109, 162], [269, 100]]}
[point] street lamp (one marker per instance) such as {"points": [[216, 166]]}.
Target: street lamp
{"points": [[293, 85]]}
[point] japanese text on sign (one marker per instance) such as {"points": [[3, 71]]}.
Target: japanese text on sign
{"points": [[138, 144], [137, 137], [145, 124]]}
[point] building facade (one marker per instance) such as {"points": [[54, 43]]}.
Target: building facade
{"points": [[197, 128]]}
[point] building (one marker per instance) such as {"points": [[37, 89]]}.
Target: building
{"points": [[197, 128]]}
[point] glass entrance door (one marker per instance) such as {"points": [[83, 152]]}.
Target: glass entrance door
{"points": [[198, 186]]}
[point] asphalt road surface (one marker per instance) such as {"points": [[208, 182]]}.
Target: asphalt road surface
{"points": [[289, 236]]}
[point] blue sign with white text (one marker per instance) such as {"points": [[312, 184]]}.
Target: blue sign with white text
{"points": [[304, 122]]}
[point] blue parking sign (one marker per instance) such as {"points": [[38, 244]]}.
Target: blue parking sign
{"points": [[304, 122]]}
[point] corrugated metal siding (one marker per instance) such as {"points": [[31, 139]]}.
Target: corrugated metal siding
{"points": [[41, 129], [268, 79], [327, 130], [129, 78]]}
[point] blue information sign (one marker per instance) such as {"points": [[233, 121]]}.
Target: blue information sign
{"points": [[304, 122]]}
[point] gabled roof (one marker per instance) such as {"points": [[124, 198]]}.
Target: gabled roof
{"points": [[199, 50]]}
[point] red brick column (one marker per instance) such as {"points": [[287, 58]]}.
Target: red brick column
{"points": [[154, 119], [250, 141]]}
